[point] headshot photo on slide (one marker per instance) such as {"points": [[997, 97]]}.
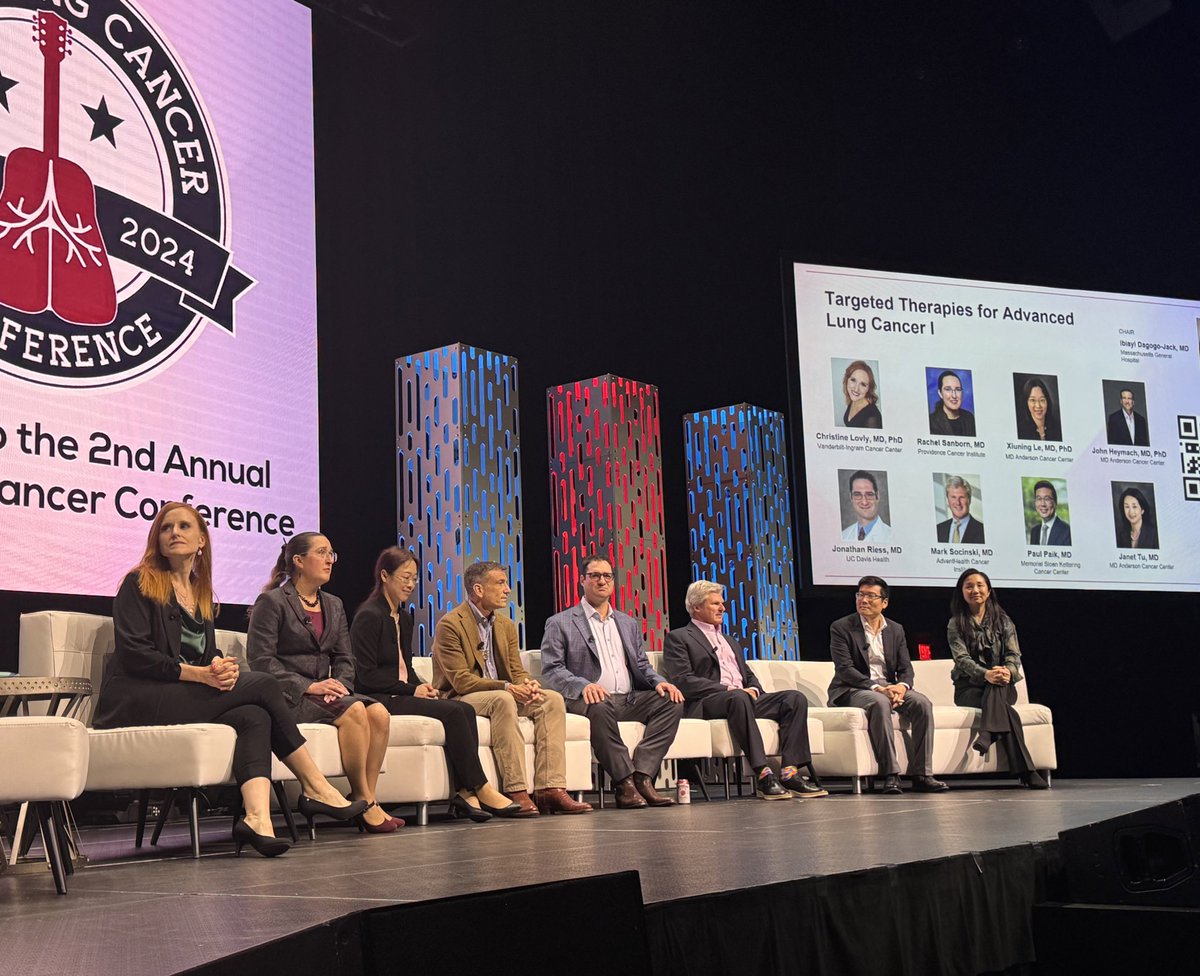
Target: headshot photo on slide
{"points": [[1134, 515], [958, 508], [863, 501], [1125, 423], [1046, 514], [950, 397], [856, 399], [1035, 397]]}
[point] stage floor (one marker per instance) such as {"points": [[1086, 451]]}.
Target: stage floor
{"points": [[133, 913]]}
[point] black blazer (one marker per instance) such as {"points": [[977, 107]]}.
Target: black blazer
{"points": [[145, 658], [376, 654], [690, 661], [973, 535], [281, 641], [848, 648], [1118, 432]]}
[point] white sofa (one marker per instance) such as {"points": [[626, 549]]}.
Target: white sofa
{"points": [[45, 763], [847, 748], [60, 643]]}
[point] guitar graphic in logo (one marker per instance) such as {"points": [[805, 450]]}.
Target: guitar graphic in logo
{"points": [[52, 254]]}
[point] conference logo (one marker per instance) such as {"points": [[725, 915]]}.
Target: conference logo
{"points": [[114, 200]]}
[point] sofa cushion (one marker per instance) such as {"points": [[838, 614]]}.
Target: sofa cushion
{"points": [[42, 758]]}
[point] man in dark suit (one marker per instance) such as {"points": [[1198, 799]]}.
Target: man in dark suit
{"points": [[1050, 530], [1127, 426], [960, 527], [872, 671], [711, 671], [592, 655]]}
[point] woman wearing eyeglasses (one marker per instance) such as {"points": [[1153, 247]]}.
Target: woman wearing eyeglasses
{"points": [[987, 667], [382, 641], [299, 634], [1037, 418]]}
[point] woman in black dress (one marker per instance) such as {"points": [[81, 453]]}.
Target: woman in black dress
{"points": [[987, 666], [1037, 417], [166, 670], [300, 634], [858, 387], [382, 640], [1137, 527]]}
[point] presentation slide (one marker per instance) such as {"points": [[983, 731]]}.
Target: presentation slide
{"points": [[1048, 437], [157, 284]]}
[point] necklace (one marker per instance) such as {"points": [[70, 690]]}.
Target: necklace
{"points": [[316, 600], [186, 600]]}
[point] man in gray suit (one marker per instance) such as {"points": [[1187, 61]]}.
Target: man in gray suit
{"points": [[593, 656], [872, 671]]}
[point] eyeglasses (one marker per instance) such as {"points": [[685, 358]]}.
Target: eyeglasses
{"points": [[952, 390], [325, 554], [859, 496], [868, 597], [410, 580], [600, 577]]}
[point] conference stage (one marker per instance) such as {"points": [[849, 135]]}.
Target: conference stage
{"points": [[867, 883]]}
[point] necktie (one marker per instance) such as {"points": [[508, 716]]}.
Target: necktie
{"points": [[956, 537], [861, 534], [1045, 533]]}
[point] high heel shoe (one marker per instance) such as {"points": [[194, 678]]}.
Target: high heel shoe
{"points": [[308, 808], [512, 810], [460, 809], [389, 824], [266, 845]]}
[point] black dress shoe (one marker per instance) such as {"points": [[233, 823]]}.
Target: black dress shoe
{"points": [[309, 808], [460, 809], [892, 785], [767, 788], [927, 784], [1034, 780], [265, 844], [512, 810], [800, 787]]}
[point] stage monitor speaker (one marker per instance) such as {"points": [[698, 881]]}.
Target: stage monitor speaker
{"points": [[584, 926], [1148, 857]]}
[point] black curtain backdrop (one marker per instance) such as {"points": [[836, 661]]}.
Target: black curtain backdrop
{"points": [[608, 187]]}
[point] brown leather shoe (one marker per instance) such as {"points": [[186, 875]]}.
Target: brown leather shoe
{"points": [[628, 797], [645, 786], [521, 797], [558, 800]]}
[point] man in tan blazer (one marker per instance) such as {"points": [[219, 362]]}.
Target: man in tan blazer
{"points": [[476, 658]]}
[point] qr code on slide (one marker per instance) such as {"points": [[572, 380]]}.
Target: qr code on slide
{"points": [[1189, 456]]}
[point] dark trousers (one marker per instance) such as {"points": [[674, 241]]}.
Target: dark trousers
{"points": [[916, 718], [998, 722], [788, 708], [254, 708], [657, 712], [462, 734]]}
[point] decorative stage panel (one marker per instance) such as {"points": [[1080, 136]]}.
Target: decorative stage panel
{"points": [[606, 493], [458, 475], [740, 522]]}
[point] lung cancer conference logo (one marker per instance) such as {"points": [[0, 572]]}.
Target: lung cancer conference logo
{"points": [[114, 200]]}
